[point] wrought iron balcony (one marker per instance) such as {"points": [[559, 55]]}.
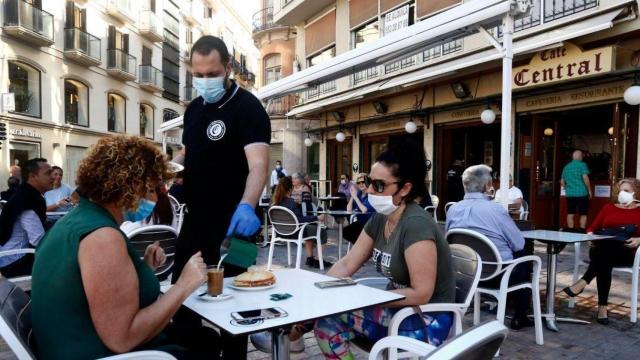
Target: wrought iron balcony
{"points": [[263, 20], [150, 26], [280, 106], [150, 78], [82, 47], [28, 23], [121, 65], [123, 10]]}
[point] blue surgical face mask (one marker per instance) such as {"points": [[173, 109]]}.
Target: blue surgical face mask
{"points": [[211, 89], [144, 210]]}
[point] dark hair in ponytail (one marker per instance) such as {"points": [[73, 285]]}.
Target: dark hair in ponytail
{"points": [[407, 162]]}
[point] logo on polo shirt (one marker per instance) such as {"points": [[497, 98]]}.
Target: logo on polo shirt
{"points": [[216, 130]]}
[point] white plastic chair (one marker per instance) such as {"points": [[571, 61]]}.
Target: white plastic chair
{"points": [[24, 282], [447, 206], [479, 342], [178, 211], [634, 271], [524, 214], [435, 200], [166, 235], [286, 228], [467, 266], [492, 267], [15, 326], [432, 210]]}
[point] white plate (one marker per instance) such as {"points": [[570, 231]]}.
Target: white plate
{"points": [[221, 297], [255, 288]]}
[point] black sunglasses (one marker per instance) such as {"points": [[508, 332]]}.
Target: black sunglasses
{"points": [[379, 185]]}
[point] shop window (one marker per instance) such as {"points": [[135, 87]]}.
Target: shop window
{"points": [[146, 121], [24, 82], [116, 113], [365, 34], [76, 103], [168, 114], [323, 56], [20, 152], [272, 68]]}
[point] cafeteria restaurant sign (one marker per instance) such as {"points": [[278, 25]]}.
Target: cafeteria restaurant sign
{"points": [[567, 62]]}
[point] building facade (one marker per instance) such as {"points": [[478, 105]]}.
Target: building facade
{"points": [[573, 62], [81, 70]]}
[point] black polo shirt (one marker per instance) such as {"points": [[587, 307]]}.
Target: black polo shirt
{"points": [[215, 136]]}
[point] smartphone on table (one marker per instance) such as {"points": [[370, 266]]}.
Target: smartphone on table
{"points": [[267, 313], [335, 283]]}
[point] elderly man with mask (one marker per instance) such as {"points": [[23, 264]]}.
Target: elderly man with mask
{"points": [[477, 212]]}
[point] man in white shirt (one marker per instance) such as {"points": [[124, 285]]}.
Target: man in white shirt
{"points": [[23, 218], [514, 195], [276, 174]]}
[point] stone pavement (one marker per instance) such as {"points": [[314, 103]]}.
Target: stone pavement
{"points": [[619, 340]]}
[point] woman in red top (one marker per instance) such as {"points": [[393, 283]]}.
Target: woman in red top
{"points": [[607, 254]]}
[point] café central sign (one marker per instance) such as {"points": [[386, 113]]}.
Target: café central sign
{"points": [[567, 62]]}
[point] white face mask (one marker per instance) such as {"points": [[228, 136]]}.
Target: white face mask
{"points": [[343, 182], [625, 198], [382, 203]]}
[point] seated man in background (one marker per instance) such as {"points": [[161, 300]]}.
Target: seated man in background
{"points": [[478, 213], [12, 186], [22, 222], [514, 195]]}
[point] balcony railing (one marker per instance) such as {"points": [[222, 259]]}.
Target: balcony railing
{"points": [[171, 24], [81, 44], [124, 10], [365, 75], [321, 89], [150, 25], [263, 20], [150, 77], [120, 63], [281, 105], [25, 20], [190, 93]]}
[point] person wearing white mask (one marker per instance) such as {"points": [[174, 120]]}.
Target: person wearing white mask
{"points": [[407, 247], [607, 254]]}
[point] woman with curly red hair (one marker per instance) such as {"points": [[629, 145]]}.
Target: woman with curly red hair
{"points": [[92, 296]]}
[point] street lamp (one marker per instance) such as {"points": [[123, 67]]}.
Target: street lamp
{"points": [[488, 116], [632, 95], [410, 127], [308, 142]]}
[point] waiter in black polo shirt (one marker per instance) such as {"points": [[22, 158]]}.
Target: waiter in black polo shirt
{"points": [[226, 137]]}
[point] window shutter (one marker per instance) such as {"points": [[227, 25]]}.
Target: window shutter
{"points": [[112, 37], [428, 7], [321, 33], [83, 19], [362, 10], [125, 43], [68, 21]]}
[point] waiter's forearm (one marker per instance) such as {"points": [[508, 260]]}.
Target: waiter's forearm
{"points": [[255, 183]]}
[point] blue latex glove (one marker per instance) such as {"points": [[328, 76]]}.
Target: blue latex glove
{"points": [[244, 221]]}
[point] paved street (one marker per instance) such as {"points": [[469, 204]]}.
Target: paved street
{"points": [[619, 340]]}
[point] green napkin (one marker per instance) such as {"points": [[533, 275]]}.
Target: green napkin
{"points": [[241, 253]]}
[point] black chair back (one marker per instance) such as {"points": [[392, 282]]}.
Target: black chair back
{"points": [[481, 245], [167, 238], [15, 308]]}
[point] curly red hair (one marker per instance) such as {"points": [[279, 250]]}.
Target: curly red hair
{"points": [[120, 170]]}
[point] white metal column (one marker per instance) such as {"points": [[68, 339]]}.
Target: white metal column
{"points": [[505, 143]]}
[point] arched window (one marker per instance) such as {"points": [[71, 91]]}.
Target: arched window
{"points": [[76, 103], [272, 68], [116, 113], [24, 82], [168, 114], [146, 121]]}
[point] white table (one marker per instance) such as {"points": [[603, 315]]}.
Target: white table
{"points": [[556, 240], [337, 213], [308, 303], [57, 213]]}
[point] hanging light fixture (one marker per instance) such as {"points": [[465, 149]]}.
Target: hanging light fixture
{"points": [[548, 131], [488, 116], [340, 136], [308, 142], [632, 94], [410, 127], [610, 131]]}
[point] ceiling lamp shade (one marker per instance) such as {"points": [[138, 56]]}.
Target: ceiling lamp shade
{"points": [[410, 127], [488, 116], [308, 142], [340, 136], [632, 95]]}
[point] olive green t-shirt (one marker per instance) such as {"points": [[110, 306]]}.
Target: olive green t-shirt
{"points": [[388, 255]]}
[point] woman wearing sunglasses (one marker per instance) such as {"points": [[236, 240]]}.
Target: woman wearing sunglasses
{"points": [[407, 247], [359, 203]]}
